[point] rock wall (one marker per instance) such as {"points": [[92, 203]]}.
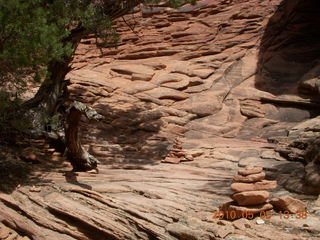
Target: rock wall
{"points": [[230, 69]]}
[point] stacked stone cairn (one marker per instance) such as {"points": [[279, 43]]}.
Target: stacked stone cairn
{"points": [[177, 154], [250, 197]]}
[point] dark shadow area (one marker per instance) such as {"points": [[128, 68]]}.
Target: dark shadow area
{"points": [[24, 158], [25, 163], [290, 176], [289, 48], [71, 177], [129, 136], [289, 64], [13, 171]]}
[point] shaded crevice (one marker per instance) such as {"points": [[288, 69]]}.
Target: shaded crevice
{"points": [[290, 46]]}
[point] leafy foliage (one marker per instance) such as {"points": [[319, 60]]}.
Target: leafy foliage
{"points": [[27, 38], [35, 32]]}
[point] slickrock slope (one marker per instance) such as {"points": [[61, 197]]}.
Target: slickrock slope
{"points": [[221, 69], [230, 80]]}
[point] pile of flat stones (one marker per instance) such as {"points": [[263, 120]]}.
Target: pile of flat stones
{"points": [[177, 154], [251, 196]]}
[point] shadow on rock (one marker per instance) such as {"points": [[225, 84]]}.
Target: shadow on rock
{"points": [[71, 177], [128, 137], [291, 177], [13, 172], [16, 171], [290, 48]]}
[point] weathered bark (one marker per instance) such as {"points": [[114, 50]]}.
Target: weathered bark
{"points": [[53, 88], [80, 159]]}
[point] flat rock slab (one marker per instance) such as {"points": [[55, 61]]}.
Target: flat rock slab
{"points": [[261, 185], [250, 170], [251, 197], [174, 160], [247, 212]]}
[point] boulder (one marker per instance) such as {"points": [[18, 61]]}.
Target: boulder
{"points": [[287, 203], [312, 174], [310, 82]]}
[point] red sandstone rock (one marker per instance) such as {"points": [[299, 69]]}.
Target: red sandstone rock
{"points": [[171, 160], [250, 170], [141, 77], [247, 212], [227, 30], [250, 178], [167, 93], [4, 232], [130, 69], [288, 203], [35, 189], [262, 185], [251, 108], [250, 197]]}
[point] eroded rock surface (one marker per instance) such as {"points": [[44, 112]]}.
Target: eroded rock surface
{"points": [[234, 81]]}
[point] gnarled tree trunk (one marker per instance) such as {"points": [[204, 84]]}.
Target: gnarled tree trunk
{"points": [[80, 159]]}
